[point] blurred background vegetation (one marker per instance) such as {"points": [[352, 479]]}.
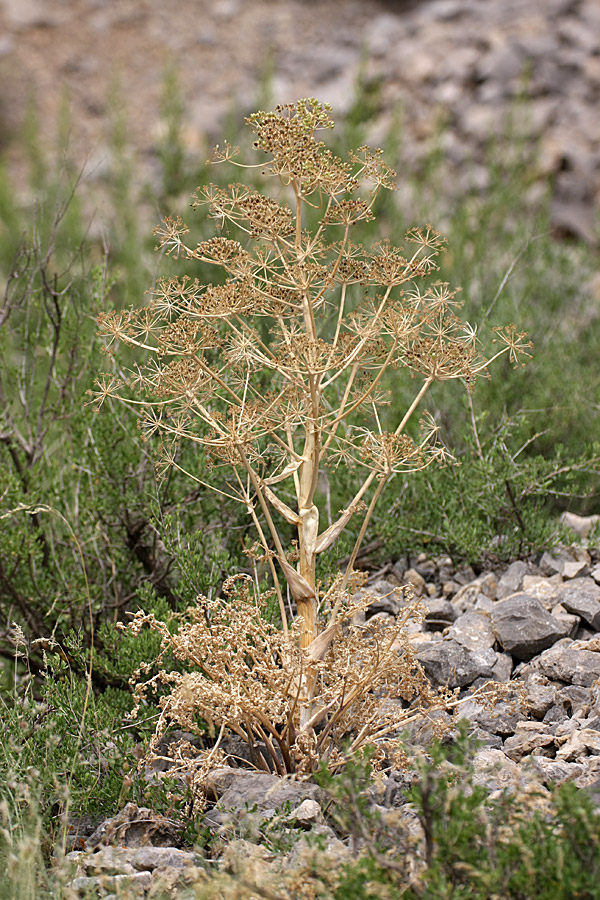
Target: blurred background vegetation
{"points": [[87, 533]]}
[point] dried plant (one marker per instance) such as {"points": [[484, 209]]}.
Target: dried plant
{"points": [[278, 370]]}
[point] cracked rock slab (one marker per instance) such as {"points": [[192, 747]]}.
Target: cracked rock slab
{"points": [[448, 664], [574, 662], [581, 597], [524, 628]]}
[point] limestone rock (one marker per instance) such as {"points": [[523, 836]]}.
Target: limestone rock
{"points": [[308, 813], [530, 737], [150, 858], [501, 719], [555, 771], [503, 667], [218, 780], [582, 598], [136, 826], [523, 627], [440, 613], [512, 580], [261, 793], [494, 769], [580, 743], [571, 661], [473, 631], [581, 525], [574, 570], [542, 588], [100, 885], [416, 581], [552, 563], [448, 664], [541, 696]]}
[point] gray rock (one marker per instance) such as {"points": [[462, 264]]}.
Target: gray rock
{"points": [[150, 858], [473, 631], [502, 64], [464, 576], [552, 563], [262, 794], [329, 844], [541, 696], [500, 719], [569, 621], [424, 566], [523, 627], [542, 588], [574, 697], [512, 580], [556, 715], [440, 613], [583, 634], [445, 568], [571, 662], [308, 813], [554, 771], [416, 581], [483, 603], [495, 770], [134, 885], [104, 861], [581, 525], [136, 826], [530, 738], [388, 597], [218, 780], [424, 730], [486, 659], [590, 777], [593, 722], [448, 664], [583, 742], [488, 585], [473, 592], [581, 597], [574, 570], [503, 667], [491, 741]]}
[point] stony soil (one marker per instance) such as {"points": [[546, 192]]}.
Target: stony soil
{"points": [[463, 61], [533, 626]]}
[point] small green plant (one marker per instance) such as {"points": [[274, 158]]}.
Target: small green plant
{"points": [[522, 843], [274, 372]]}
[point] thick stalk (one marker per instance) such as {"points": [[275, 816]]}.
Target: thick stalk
{"points": [[308, 527]]}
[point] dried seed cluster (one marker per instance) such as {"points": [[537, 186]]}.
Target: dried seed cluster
{"points": [[277, 370]]}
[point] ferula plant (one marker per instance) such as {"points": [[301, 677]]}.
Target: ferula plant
{"points": [[274, 371]]}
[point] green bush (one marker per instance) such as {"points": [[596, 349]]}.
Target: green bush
{"points": [[514, 847]]}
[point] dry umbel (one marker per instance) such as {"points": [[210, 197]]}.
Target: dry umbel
{"points": [[275, 372]]}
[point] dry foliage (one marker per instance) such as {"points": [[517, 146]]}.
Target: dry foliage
{"points": [[274, 372], [248, 675]]}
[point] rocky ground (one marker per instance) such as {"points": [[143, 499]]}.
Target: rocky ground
{"points": [[533, 626], [463, 62]]}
